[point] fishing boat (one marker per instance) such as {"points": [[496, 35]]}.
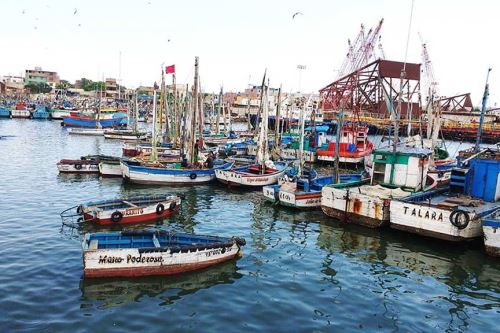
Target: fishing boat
{"points": [[145, 149], [86, 164], [110, 168], [252, 175], [395, 174], [86, 131], [124, 134], [473, 194], [123, 211], [491, 231], [354, 146], [80, 120], [169, 174], [59, 114], [305, 193], [142, 253], [20, 111], [40, 113], [4, 112], [454, 213]]}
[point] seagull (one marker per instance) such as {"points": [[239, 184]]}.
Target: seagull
{"points": [[297, 13], [24, 11], [76, 10], [168, 41]]}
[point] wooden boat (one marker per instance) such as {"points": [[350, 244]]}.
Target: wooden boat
{"points": [[4, 112], [305, 193], [40, 113], [132, 150], [454, 213], [20, 111], [86, 131], [59, 114], [215, 140], [110, 168], [81, 120], [491, 231], [160, 174], [141, 253], [86, 164], [78, 166], [124, 134], [394, 175], [123, 211], [354, 146], [252, 175]]}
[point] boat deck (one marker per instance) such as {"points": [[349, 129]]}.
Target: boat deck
{"points": [[452, 201]]}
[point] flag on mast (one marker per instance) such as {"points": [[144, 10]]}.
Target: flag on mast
{"points": [[170, 69]]}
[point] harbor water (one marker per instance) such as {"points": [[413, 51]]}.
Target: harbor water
{"points": [[300, 271]]}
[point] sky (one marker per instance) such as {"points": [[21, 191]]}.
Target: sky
{"points": [[237, 40]]}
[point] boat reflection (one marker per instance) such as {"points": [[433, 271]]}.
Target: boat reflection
{"points": [[455, 279], [107, 293]]}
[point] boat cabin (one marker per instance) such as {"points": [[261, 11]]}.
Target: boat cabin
{"points": [[406, 168]]}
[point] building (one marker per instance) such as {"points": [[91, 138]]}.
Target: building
{"points": [[11, 85], [38, 75]]}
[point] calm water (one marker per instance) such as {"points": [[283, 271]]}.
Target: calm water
{"points": [[300, 271]]}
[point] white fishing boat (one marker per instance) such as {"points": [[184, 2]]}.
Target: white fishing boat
{"points": [[86, 131], [20, 111], [59, 114], [491, 230], [395, 174], [124, 134], [78, 166], [110, 168]]}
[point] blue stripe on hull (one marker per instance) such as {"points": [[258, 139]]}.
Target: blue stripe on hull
{"points": [[73, 122]]}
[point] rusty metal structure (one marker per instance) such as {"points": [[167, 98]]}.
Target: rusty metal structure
{"points": [[373, 88], [458, 103]]}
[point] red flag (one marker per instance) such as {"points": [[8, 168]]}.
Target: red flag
{"points": [[170, 69]]}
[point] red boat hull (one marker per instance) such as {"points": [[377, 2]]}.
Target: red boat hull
{"points": [[134, 219]]}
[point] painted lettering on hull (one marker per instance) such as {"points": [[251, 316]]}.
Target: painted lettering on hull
{"points": [[423, 213]]}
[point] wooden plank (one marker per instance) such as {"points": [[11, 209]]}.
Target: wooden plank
{"points": [[129, 203]]}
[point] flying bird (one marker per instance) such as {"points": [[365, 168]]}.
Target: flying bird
{"points": [[297, 13], [76, 10], [24, 11]]}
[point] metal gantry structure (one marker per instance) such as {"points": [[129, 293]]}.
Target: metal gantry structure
{"points": [[374, 90], [362, 50]]}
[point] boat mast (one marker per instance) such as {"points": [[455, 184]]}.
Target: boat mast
{"points": [[340, 123], [277, 120], [154, 138], [136, 112], [194, 108], [483, 111], [219, 108], [301, 146], [200, 115], [262, 131], [176, 122]]}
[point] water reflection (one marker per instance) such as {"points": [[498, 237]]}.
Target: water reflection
{"points": [[398, 266], [106, 293]]}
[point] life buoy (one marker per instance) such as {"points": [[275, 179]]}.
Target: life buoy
{"points": [[159, 209], [172, 206], [78, 166], [116, 216], [193, 176], [460, 219]]}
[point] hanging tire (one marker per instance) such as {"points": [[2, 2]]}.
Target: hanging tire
{"points": [[460, 219], [172, 206], [116, 216], [193, 176], [78, 166], [79, 209], [159, 209]]}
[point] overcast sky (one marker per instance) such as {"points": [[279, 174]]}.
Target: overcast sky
{"points": [[236, 40]]}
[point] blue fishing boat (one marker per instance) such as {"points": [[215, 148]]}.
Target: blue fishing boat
{"points": [[4, 112], [90, 122], [142, 253], [139, 172], [40, 113], [305, 192]]}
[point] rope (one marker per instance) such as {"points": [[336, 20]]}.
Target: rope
{"points": [[408, 37]]}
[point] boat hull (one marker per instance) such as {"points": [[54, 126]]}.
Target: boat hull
{"points": [[110, 169], [91, 123], [20, 114], [491, 230], [351, 206], [134, 263], [235, 178], [422, 219], [301, 200], [77, 167]]}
